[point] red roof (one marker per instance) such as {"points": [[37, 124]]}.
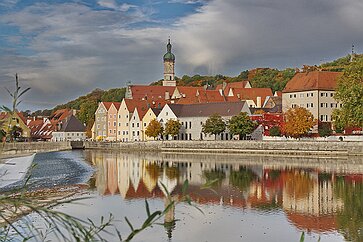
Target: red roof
{"points": [[108, 105], [60, 114], [150, 92], [252, 94], [230, 85], [314, 80], [313, 223], [143, 105]]}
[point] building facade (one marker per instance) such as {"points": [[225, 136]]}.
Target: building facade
{"points": [[314, 91], [101, 122]]}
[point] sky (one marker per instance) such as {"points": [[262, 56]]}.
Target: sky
{"points": [[63, 49]]}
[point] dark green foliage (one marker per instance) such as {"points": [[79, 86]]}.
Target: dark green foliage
{"points": [[272, 78], [241, 125], [350, 93], [350, 218], [214, 125], [242, 178], [275, 131], [172, 127], [325, 129], [113, 95]]}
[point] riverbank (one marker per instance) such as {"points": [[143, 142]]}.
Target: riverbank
{"points": [[291, 148], [268, 148], [8, 150]]}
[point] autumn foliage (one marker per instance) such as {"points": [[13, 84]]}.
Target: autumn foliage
{"points": [[154, 129], [298, 122]]}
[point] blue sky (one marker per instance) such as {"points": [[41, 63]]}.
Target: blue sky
{"points": [[66, 48]]}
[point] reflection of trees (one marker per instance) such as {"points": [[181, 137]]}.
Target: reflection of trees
{"points": [[350, 218], [153, 170], [213, 175], [298, 184], [172, 173], [242, 178]]}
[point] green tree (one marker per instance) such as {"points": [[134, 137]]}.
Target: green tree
{"points": [[298, 122], [241, 125], [87, 112], [275, 131], [324, 129], [172, 127], [154, 129], [214, 125], [350, 93]]}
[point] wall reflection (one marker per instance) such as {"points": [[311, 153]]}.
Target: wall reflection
{"points": [[316, 195]]}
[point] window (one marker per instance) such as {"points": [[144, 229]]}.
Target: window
{"points": [[110, 115], [123, 132], [110, 131], [114, 124], [138, 133], [312, 105], [98, 126], [137, 125], [114, 131], [294, 95], [307, 105], [312, 94], [119, 116], [322, 94], [127, 124], [186, 125], [133, 133], [332, 94], [114, 116], [307, 94], [190, 125], [290, 95], [331, 105], [119, 132], [166, 113], [133, 125], [119, 124]]}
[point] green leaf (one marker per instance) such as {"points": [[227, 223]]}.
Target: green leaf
{"points": [[147, 208], [129, 223], [302, 237]]}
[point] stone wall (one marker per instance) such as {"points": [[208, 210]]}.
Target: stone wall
{"points": [[321, 148], [31, 147]]}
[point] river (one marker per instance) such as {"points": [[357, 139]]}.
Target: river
{"points": [[253, 198]]}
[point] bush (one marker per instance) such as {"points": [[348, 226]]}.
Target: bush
{"points": [[275, 131]]}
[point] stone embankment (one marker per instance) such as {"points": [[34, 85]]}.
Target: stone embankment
{"points": [[300, 148], [20, 148]]}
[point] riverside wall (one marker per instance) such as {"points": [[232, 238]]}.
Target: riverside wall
{"points": [[300, 148], [19, 148]]}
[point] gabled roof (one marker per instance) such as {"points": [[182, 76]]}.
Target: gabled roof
{"points": [[4, 115], [109, 104], [142, 105], [210, 96], [207, 109], [230, 85], [252, 94], [73, 125], [313, 80]]}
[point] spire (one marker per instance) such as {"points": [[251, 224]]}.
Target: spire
{"points": [[168, 46]]}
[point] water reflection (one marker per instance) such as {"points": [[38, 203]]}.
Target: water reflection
{"points": [[316, 195]]}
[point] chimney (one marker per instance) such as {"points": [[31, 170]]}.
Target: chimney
{"points": [[258, 104], [167, 95]]}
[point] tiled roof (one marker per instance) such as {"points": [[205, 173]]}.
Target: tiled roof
{"points": [[314, 80], [142, 105], [156, 111], [150, 92], [60, 114], [230, 85], [207, 109], [252, 94], [109, 104]]}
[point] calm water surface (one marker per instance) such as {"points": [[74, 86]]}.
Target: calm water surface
{"points": [[255, 198]]}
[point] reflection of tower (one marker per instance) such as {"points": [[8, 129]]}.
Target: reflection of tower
{"points": [[169, 182], [169, 63]]}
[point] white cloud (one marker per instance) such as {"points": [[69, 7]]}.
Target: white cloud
{"points": [[8, 3]]}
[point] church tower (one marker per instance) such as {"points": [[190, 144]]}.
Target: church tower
{"points": [[169, 63]]}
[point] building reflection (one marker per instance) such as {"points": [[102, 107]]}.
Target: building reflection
{"points": [[312, 198]]}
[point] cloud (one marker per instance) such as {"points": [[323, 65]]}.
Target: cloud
{"points": [[75, 48], [8, 3]]}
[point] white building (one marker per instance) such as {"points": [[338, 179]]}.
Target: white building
{"points": [[193, 116], [72, 130]]}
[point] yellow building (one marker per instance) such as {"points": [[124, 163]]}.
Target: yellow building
{"points": [[16, 119], [151, 114]]}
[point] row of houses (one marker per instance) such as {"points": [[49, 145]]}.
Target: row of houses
{"points": [[62, 125], [127, 121]]}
